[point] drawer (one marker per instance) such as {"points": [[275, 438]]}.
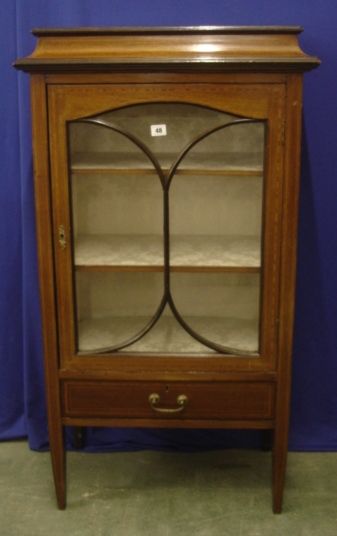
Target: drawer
{"points": [[194, 400]]}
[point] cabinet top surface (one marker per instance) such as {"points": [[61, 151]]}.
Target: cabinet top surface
{"points": [[197, 48], [159, 30]]}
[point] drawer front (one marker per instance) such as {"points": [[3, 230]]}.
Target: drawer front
{"points": [[197, 400]]}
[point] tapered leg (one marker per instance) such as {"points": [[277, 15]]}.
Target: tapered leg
{"points": [[280, 452], [58, 457]]}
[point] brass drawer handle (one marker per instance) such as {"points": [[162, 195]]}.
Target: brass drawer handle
{"points": [[154, 400]]}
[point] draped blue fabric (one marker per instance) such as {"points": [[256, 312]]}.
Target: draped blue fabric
{"points": [[314, 401]]}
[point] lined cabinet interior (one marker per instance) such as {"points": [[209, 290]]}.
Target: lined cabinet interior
{"points": [[166, 206]]}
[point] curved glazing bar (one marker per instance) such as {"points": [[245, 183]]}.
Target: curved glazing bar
{"points": [[140, 334], [203, 340], [132, 138], [181, 122], [200, 338], [137, 337], [198, 139], [166, 180]]}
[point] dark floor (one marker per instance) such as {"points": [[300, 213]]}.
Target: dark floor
{"points": [[219, 493]]}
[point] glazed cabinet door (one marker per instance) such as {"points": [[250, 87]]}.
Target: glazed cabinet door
{"points": [[167, 220]]}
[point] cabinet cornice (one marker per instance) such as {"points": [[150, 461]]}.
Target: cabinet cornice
{"points": [[244, 48]]}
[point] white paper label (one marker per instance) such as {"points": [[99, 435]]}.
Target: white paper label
{"points": [[158, 130]]}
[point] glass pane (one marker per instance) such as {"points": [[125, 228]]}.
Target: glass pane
{"points": [[238, 148], [210, 166], [117, 215], [167, 336], [166, 128], [113, 307], [216, 226], [220, 307]]}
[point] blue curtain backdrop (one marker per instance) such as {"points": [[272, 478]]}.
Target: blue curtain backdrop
{"points": [[314, 401]]}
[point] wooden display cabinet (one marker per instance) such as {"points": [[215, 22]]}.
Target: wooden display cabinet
{"points": [[166, 181]]}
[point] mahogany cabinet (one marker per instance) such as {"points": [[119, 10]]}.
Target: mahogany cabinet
{"points": [[166, 180]]}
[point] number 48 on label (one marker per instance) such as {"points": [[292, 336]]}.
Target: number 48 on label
{"points": [[158, 130]]}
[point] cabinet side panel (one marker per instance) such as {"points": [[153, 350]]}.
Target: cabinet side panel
{"points": [[46, 273], [287, 289]]}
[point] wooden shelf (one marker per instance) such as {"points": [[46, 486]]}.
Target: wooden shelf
{"points": [[167, 336], [227, 164], [187, 253]]}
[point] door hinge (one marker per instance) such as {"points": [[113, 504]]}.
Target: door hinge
{"points": [[62, 237]]}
